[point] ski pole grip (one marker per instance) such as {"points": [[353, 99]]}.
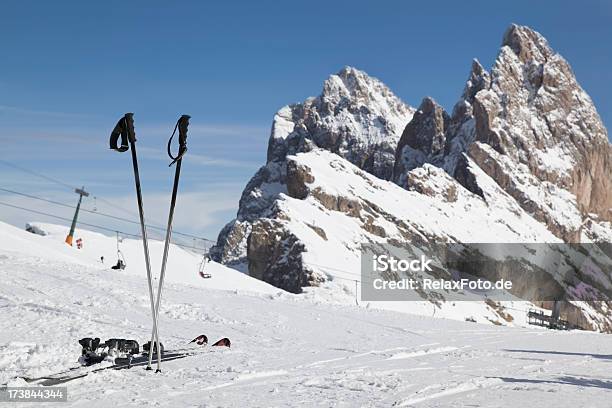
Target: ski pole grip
{"points": [[129, 121], [124, 129], [182, 128], [182, 125]]}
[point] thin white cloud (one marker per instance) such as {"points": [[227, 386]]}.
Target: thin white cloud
{"points": [[35, 112], [198, 159], [217, 129]]}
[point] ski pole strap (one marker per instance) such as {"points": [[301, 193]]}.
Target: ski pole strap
{"points": [[125, 129], [182, 124]]}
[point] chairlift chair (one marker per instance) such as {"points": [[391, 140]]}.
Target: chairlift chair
{"points": [[120, 261], [202, 268], [121, 264]]}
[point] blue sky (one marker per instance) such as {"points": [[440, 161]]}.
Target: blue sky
{"points": [[71, 69]]}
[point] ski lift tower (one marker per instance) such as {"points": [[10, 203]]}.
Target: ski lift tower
{"points": [[81, 192]]}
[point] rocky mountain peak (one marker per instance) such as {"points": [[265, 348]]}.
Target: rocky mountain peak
{"points": [[353, 84], [423, 139], [530, 126], [527, 44], [478, 80], [545, 135], [356, 116]]}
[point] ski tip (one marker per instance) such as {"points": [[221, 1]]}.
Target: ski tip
{"points": [[200, 340], [224, 342]]}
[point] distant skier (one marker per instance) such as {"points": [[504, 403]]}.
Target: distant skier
{"points": [[102, 259]]}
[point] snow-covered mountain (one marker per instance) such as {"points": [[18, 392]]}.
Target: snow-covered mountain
{"points": [[523, 158], [356, 116]]}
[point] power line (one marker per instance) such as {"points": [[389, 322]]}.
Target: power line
{"points": [[88, 224], [100, 213]]}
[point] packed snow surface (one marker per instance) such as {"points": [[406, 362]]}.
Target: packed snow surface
{"points": [[287, 350]]}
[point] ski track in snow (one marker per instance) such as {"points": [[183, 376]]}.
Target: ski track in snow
{"points": [[287, 350]]}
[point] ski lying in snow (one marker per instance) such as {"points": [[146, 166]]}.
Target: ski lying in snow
{"points": [[93, 358], [83, 371]]}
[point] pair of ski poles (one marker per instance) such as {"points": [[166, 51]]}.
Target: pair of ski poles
{"points": [[125, 129]]}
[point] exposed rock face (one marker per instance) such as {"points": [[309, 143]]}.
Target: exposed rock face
{"points": [[545, 133], [530, 126], [356, 116], [434, 137], [523, 157], [423, 140]]}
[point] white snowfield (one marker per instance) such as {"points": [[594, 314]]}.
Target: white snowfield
{"points": [[287, 350]]}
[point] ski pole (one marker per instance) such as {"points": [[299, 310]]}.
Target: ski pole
{"points": [[182, 124], [125, 129]]}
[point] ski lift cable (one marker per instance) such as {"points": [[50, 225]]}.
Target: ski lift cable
{"points": [[32, 172], [333, 269], [63, 184], [113, 205], [88, 224], [34, 197]]}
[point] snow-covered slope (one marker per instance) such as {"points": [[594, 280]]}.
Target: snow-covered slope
{"points": [[287, 350], [183, 266]]}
